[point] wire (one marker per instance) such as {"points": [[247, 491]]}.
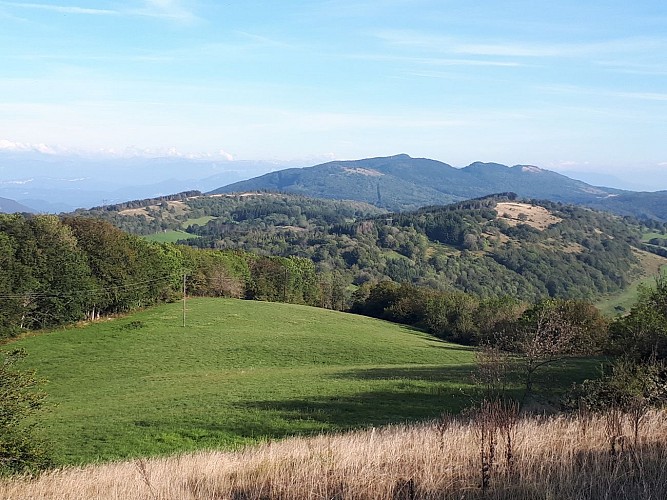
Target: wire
{"points": [[109, 290]]}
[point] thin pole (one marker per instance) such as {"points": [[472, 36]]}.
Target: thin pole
{"points": [[183, 300]]}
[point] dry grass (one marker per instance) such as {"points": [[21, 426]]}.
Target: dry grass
{"points": [[522, 213], [556, 457]]}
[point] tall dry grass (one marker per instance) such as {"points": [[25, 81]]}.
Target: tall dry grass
{"points": [[556, 457]]}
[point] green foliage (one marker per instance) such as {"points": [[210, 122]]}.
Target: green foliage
{"points": [[643, 332], [627, 385], [55, 272], [454, 316], [462, 246], [20, 399], [551, 331], [42, 267]]}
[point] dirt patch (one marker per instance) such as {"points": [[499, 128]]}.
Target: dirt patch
{"points": [[522, 213], [238, 195], [136, 212], [363, 171]]}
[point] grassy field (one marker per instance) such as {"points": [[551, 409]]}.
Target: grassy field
{"points": [[622, 302], [171, 236], [200, 221], [240, 372], [546, 458], [649, 236]]}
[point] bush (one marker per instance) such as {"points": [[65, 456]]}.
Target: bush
{"points": [[627, 386], [19, 399]]}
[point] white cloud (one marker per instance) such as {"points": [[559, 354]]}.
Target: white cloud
{"points": [[63, 9], [128, 152], [573, 89], [434, 61], [6, 145]]}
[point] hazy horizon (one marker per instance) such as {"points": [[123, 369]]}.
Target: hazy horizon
{"points": [[577, 88]]}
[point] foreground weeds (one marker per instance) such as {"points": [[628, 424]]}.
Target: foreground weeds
{"points": [[550, 457]]}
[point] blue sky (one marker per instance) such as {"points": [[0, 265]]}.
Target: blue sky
{"points": [[567, 85]]}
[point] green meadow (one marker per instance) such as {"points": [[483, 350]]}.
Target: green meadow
{"points": [[239, 372], [171, 236], [621, 303]]}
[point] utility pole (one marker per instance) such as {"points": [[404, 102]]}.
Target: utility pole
{"points": [[184, 275]]}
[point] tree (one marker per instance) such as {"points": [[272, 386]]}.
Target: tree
{"points": [[643, 332], [19, 399], [552, 331]]}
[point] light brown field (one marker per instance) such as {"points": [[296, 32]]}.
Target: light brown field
{"points": [[557, 457], [136, 212], [535, 216]]}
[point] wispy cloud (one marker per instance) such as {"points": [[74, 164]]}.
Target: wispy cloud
{"points": [[633, 68], [444, 44], [174, 10], [63, 9], [434, 61], [572, 89]]}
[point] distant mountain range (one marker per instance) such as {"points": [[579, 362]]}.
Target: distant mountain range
{"points": [[8, 206], [54, 183], [403, 183], [48, 182]]}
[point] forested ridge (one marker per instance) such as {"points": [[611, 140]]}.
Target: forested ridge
{"points": [[476, 246], [290, 248]]}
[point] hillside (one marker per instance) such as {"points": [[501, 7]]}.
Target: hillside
{"points": [[490, 247], [239, 372], [8, 206], [404, 183], [495, 246]]}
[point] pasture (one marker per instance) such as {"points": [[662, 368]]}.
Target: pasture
{"points": [[240, 372]]}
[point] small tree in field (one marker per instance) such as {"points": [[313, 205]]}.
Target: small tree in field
{"points": [[19, 399], [552, 331]]}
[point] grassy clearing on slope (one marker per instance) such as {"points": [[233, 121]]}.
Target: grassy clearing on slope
{"points": [[621, 302], [564, 458], [171, 236], [200, 221], [646, 237], [240, 372]]}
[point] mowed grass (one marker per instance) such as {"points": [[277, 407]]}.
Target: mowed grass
{"points": [[240, 372], [171, 236]]}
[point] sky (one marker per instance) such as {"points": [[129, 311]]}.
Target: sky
{"points": [[573, 86]]}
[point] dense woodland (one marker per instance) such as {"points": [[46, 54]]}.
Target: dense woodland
{"points": [[57, 271], [461, 272], [467, 246]]}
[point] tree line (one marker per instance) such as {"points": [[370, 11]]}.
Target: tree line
{"points": [[55, 271]]}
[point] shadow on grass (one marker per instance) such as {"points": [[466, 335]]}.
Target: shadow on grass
{"points": [[432, 340], [407, 395]]}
